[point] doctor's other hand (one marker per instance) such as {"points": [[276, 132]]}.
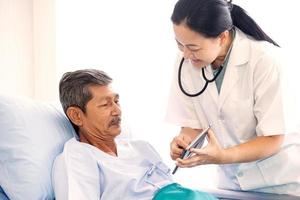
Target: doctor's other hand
{"points": [[180, 142], [212, 153]]}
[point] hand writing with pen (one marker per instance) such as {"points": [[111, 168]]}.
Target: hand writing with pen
{"points": [[192, 155]]}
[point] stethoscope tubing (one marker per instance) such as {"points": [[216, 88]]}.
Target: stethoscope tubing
{"points": [[207, 81]]}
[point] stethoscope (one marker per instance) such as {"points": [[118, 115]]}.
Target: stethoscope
{"points": [[207, 81]]}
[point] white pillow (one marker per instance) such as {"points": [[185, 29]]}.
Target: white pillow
{"points": [[32, 134]]}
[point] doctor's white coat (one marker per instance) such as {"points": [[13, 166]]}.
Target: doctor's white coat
{"points": [[252, 102]]}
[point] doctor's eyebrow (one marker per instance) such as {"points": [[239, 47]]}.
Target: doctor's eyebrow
{"points": [[189, 46]]}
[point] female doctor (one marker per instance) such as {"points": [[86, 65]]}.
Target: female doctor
{"points": [[229, 76]]}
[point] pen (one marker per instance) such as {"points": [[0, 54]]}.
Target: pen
{"points": [[181, 156], [195, 143]]}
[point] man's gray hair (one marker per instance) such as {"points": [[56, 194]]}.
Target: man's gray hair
{"points": [[73, 87]]}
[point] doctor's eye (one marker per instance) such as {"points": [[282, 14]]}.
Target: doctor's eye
{"points": [[180, 46], [194, 50]]}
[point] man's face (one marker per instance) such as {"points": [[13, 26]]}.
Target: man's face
{"points": [[103, 114]]}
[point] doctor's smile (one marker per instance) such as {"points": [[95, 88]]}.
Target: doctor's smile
{"points": [[197, 62]]}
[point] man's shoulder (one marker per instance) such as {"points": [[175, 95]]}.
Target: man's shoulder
{"points": [[75, 152], [73, 146], [73, 169]]}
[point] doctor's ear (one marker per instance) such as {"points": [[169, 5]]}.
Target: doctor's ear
{"points": [[223, 36], [75, 115]]}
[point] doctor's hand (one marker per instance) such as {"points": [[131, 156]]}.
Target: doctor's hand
{"points": [[213, 153], [180, 142]]}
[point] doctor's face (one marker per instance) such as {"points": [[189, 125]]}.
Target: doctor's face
{"points": [[103, 114], [200, 50]]}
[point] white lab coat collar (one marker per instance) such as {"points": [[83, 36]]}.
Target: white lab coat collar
{"points": [[240, 54]]}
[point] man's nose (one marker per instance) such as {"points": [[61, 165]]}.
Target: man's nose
{"points": [[116, 109]]}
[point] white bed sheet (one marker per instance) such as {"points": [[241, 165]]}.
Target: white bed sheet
{"points": [[238, 195]]}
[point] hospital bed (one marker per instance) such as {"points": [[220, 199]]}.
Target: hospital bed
{"points": [[32, 134], [238, 195]]}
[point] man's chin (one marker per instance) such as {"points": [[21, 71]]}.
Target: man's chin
{"points": [[116, 129]]}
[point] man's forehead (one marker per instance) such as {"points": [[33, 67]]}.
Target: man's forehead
{"points": [[103, 91]]}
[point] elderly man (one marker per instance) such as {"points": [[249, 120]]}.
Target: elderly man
{"points": [[95, 165]]}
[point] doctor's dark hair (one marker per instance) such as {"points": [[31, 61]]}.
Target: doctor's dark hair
{"points": [[212, 17], [73, 88]]}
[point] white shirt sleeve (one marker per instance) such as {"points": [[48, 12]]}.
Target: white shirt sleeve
{"points": [[76, 175], [268, 106], [181, 110]]}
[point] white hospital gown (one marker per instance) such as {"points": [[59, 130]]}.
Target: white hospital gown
{"points": [[82, 171]]}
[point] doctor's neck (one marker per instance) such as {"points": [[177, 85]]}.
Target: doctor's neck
{"points": [[228, 39]]}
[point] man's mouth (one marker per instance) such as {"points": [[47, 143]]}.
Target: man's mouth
{"points": [[115, 121]]}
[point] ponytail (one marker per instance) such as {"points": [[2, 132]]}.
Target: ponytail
{"points": [[243, 21], [212, 17]]}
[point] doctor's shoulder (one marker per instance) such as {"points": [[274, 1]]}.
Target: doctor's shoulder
{"points": [[265, 56]]}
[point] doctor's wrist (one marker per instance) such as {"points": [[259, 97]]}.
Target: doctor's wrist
{"points": [[229, 156]]}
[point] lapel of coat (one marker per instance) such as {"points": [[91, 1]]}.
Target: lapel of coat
{"points": [[240, 55], [212, 88]]}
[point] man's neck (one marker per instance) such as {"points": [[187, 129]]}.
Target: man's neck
{"points": [[108, 146]]}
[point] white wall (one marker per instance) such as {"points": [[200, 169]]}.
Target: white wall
{"points": [[27, 48], [16, 47], [44, 50]]}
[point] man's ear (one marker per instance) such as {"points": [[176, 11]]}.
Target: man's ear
{"points": [[75, 115]]}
